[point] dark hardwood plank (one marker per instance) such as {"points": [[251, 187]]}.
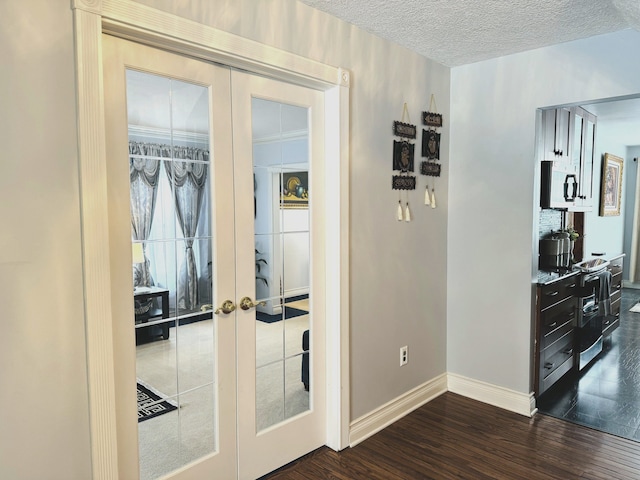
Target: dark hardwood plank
{"points": [[453, 437]]}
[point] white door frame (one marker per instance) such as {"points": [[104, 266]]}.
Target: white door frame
{"points": [[111, 452]]}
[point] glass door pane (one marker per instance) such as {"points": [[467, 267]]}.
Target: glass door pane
{"points": [[169, 164], [280, 139]]}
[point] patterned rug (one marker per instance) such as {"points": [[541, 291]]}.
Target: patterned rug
{"points": [[289, 312], [151, 404]]}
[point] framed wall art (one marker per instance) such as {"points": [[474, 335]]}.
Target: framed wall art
{"points": [[403, 153], [611, 188], [294, 190]]}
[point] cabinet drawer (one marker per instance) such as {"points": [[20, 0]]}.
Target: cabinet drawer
{"points": [[556, 321], [610, 323], [557, 292], [557, 352]]}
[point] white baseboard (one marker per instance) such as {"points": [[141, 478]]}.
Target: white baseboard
{"points": [[371, 423], [522, 403]]}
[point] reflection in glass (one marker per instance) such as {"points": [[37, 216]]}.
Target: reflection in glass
{"points": [[282, 196], [171, 219]]}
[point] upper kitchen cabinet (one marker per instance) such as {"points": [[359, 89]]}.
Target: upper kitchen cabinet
{"points": [[567, 163], [557, 129], [582, 151]]}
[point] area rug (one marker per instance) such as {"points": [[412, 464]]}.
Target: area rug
{"points": [[635, 308], [151, 404], [289, 312]]}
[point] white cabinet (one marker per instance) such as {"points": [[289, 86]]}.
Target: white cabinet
{"points": [[556, 123], [582, 150], [569, 139]]}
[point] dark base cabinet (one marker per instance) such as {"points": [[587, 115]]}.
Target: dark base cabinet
{"points": [[554, 332], [611, 322], [559, 345]]}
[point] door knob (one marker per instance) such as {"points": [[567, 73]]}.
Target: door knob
{"points": [[246, 303], [227, 307]]}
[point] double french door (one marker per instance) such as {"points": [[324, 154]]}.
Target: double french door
{"points": [[216, 181]]}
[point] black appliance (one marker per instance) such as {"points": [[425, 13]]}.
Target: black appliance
{"points": [[555, 251], [593, 306], [558, 185]]}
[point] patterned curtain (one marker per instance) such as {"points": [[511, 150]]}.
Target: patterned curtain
{"points": [[188, 179], [144, 171]]}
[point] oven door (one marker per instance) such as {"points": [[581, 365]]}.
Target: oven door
{"points": [[589, 338]]}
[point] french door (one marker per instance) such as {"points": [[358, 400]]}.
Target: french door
{"points": [[216, 209]]}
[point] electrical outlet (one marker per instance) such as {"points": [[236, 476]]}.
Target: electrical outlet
{"points": [[404, 355]]}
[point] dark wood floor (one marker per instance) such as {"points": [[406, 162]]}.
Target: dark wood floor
{"points": [[453, 437], [606, 394]]}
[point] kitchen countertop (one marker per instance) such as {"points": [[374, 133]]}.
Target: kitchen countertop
{"points": [[549, 276]]}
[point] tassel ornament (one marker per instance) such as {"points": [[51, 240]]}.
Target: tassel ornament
{"points": [[407, 214], [433, 198], [427, 197], [400, 211]]}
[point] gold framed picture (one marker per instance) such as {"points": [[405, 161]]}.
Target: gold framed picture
{"points": [[294, 190], [611, 188]]}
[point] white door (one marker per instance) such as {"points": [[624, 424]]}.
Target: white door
{"points": [[207, 206]]}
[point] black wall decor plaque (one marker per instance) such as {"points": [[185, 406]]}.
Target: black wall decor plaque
{"points": [[431, 119], [404, 130], [403, 182], [403, 153], [431, 169], [430, 144]]}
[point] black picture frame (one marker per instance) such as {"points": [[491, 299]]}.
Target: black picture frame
{"points": [[431, 144], [431, 119], [403, 153], [431, 169], [404, 130], [403, 182]]}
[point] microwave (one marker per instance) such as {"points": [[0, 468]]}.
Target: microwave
{"points": [[559, 187]]}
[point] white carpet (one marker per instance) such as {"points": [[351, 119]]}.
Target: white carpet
{"points": [[179, 437]]}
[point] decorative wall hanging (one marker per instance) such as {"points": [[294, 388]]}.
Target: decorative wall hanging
{"points": [[404, 182], [611, 191], [431, 144], [431, 119], [431, 169], [404, 130], [403, 153]]}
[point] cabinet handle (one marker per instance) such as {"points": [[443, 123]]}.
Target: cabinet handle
{"points": [[572, 285], [618, 315], [549, 365], [553, 325], [553, 294], [607, 322], [568, 351]]}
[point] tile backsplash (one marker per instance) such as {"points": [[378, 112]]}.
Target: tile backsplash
{"points": [[550, 221]]}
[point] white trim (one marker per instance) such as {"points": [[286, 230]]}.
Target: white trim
{"points": [[131, 20], [373, 422], [134, 21], [95, 244], [517, 402]]}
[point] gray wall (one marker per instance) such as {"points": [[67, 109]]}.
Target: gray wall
{"points": [[44, 421], [399, 275], [398, 269], [605, 234], [630, 184], [493, 185]]}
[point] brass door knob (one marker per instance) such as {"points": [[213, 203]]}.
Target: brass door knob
{"points": [[246, 303], [227, 307]]}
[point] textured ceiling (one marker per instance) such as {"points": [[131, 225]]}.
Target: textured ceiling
{"points": [[458, 32]]}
